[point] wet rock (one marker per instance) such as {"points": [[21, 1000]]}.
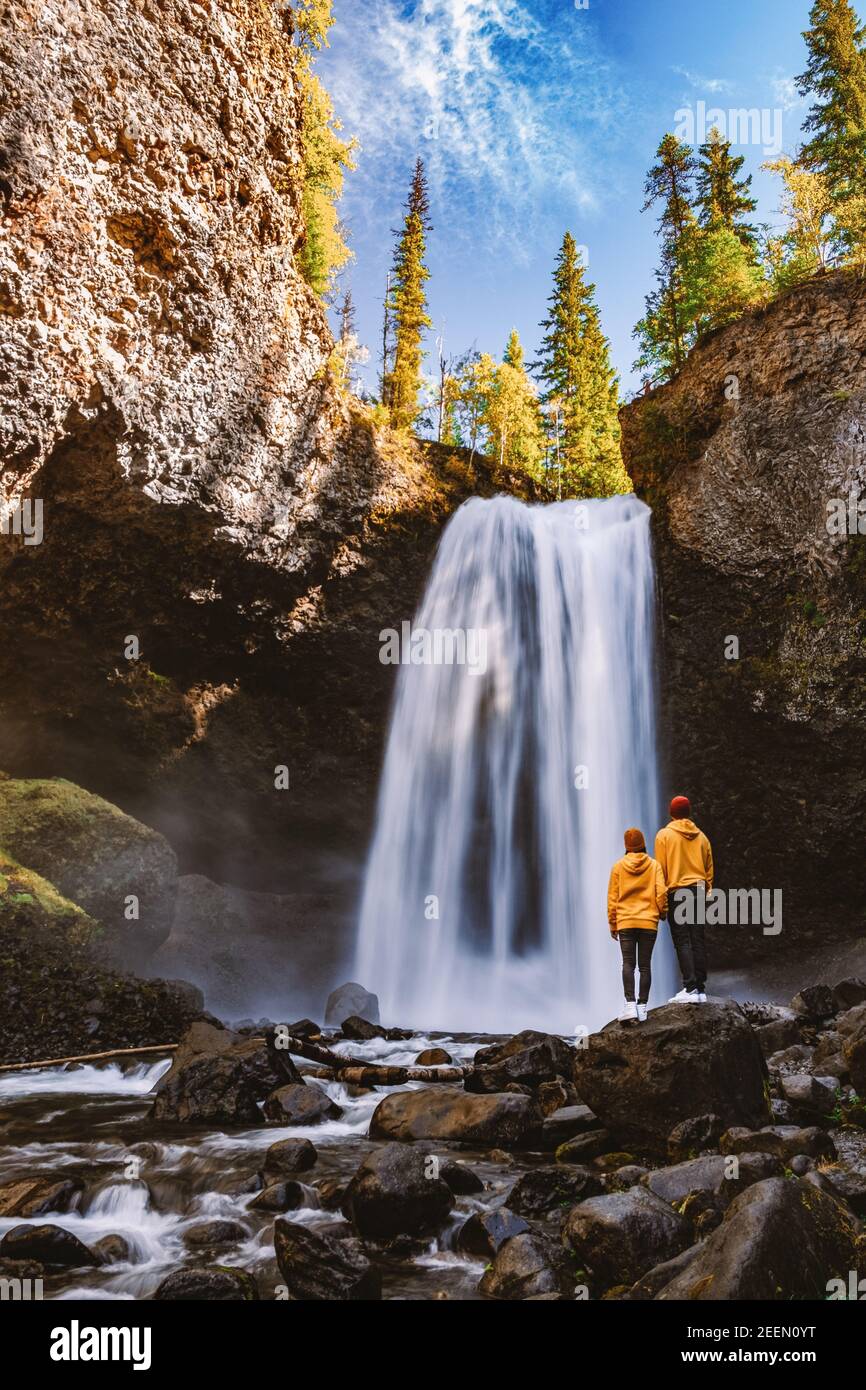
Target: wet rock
{"points": [[36, 1196], [778, 1035], [300, 1105], [443, 1112], [694, 1136], [47, 1245], [303, 1028], [289, 1156], [395, 1192], [280, 1196], [682, 1062], [791, 1060], [815, 1002], [811, 1097], [849, 1183], [318, 1268], [528, 1265], [713, 1174], [331, 1193], [784, 1141], [851, 1020], [207, 1285], [566, 1123], [849, 993], [624, 1234], [433, 1057], [485, 1231], [780, 1240], [801, 1164], [556, 1095], [584, 1147], [215, 1077], [623, 1178], [609, 1162], [348, 1001], [21, 1269], [657, 1278], [113, 1250], [208, 1235], [527, 1059], [545, 1190], [359, 1030], [460, 1178]]}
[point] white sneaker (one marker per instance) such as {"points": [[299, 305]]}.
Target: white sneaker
{"points": [[702, 999], [641, 1013], [686, 996], [629, 1013]]}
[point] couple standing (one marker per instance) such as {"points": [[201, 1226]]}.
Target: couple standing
{"points": [[644, 890]]}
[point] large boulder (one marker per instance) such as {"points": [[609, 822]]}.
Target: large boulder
{"points": [[49, 1245], [564, 1124], [287, 1157], [317, 1268], [96, 856], [485, 1231], [784, 1141], [545, 1190], [714, 1174], [396, 1191], [300, 1104], [349, 1001], [782, 1239], [216, 1285], [527, 1059], [620, 1236], [37, 1196], [527, 1265], [216, 1077], [684, 1061], [443, 1112]]}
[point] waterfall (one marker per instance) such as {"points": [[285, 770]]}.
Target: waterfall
{"points": [[522, 745]]}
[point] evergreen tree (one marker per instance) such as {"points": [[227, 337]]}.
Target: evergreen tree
{"points": [[574, 367], [511, 415], [347, 317], [836, 77], [408, 304], [665, 334], [723, 197], [326, 157]]}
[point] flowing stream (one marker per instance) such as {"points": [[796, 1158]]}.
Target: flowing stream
{"points": [[510, 777]]}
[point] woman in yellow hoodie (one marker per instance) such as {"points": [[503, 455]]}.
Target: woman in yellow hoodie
{"points": [[636, 899]]}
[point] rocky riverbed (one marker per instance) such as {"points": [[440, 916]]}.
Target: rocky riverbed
{"points": [[714, 1153]]}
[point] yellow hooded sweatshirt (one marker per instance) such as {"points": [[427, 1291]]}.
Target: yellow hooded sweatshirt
{"points": [[636, 894], [684, 854]]}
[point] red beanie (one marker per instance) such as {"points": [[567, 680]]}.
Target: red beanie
{"points": [[680, 808], [634, 841]]}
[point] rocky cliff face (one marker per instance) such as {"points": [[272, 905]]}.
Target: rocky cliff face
{"points": [[740, 457], [165, 396]]}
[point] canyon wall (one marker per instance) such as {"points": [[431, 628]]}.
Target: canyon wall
{"points": [[740, 457]]}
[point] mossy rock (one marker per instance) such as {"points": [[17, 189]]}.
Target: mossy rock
{"points": [[22, 890], [98, 858]]}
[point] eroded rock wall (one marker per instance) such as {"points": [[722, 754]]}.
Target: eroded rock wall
{"points": [[740, 456]]}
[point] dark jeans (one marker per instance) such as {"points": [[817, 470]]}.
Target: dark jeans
{"points": [[689, 937], [636, 944]]}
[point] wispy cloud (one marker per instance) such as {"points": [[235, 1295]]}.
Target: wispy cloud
{"points": [[704, 84], [785, 93], [508, 101]]}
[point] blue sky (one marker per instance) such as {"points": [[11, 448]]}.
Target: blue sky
{"points": [[534, 116]]}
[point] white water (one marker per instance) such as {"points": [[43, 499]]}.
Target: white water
{"points": [[478, 804]]}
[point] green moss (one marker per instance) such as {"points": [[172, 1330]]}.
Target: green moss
{"points": [[21, 887]]}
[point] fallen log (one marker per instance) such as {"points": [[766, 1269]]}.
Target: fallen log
{"points": [[88, 1057], [372, 1075]]}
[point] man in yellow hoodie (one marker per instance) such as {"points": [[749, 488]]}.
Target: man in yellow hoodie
{"points": [[636, 899], [684, 853]]}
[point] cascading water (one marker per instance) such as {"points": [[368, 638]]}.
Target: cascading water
{"points": [[522, 745]]}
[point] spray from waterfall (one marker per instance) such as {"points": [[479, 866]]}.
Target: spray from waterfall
{"points": [[509, 778]]}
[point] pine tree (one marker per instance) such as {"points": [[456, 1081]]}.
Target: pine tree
{"points": [[326, 157], [723, 198], [408, 304], [836, 78], [574, 367], [665, 333], [511, 415]]}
